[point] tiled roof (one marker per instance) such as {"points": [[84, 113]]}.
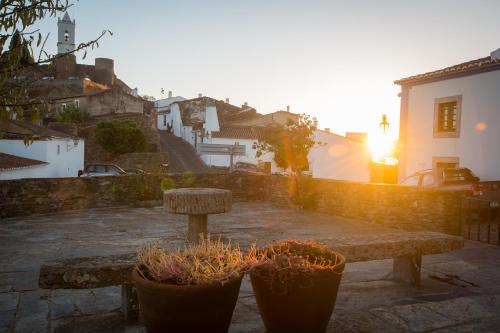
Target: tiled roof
{"points": [[238, 132], [463, 69], [19, 129], [11, 162]]}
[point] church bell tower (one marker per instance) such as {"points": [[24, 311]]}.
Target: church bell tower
{"points": [[66, 34]]}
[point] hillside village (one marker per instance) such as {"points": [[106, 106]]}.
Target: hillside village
{"points": [[123, 212]]}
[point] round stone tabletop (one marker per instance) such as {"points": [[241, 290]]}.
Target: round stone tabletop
{"points": [[197, 201]]}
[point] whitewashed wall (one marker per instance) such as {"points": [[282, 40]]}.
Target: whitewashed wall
{"points": [[339, 158], [224, 160], [476, 149], [64, 161]]}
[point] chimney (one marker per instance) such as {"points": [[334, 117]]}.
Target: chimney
{"points": [[315, 122], [245, 104], [200, 95], [170, 94], [227, 100], [495, 55], [288, 108]]}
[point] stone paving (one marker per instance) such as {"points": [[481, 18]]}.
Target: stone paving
{"points": [[460, 291]]}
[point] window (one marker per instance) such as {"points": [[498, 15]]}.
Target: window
{"points": [[445, 162], [411, 181], [427, 179], [58, 149], [63, 106], [447, 117], [165, 120], [77, 103], [66, 36]]}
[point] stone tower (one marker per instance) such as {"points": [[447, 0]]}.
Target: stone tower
{"points": [[66, 34]]}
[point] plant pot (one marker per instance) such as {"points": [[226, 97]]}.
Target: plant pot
{"points": [[186, 308], [305, 305]]}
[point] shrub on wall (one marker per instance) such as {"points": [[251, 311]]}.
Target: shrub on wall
{"points": [[167, 184], [71, 114], [120, 137]]}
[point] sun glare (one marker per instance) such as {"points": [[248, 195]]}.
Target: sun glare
{"points": [[382, 149]]}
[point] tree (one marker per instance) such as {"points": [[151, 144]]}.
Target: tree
{"points": [[71, 114], [289, 143], [120, 137], [17, 44]]}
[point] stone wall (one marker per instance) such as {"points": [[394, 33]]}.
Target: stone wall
{"points": [[390, 205], [33, 196]]}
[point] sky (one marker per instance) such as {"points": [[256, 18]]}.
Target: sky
{"points": [[334, 60]]}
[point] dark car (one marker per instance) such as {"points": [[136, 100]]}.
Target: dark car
{"points": [[451, 179], [246, 167], [96, 170]]}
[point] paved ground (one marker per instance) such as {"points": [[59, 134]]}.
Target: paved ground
{"points": [[460, 291], [182, 156]]}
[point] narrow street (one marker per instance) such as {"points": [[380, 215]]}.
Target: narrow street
{"points": [[182, 156]]}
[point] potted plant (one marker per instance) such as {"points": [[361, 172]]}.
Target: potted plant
{"points": [[296, 284], [189, 290]]}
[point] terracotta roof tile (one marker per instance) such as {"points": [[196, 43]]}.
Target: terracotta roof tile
{"points": [[238, 132], [466, 68], [11, 162]]}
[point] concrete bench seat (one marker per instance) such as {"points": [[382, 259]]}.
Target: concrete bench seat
{"points": [[406, 248]]}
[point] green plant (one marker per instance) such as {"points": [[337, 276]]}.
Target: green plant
{"points": [[187, 178], [71, 114], [289, 263], [167, 183], [290, 144], [120, 137], [208, 262]]}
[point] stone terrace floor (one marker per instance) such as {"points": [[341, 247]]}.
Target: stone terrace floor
{"points": [[460, 291]]}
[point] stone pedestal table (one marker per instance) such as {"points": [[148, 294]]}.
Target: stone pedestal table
{"points": [[197, 203]]}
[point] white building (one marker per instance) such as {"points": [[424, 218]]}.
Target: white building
{"points": [[53, 154], [339, 157], [451, 117], [163, 110]]}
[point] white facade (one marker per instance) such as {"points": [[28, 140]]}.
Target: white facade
{"points": [[476, 146], [64, 158], [338, 157], [249, 157], [163, 108]]}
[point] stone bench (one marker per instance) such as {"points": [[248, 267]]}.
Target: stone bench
{"points": [[406, 248]]}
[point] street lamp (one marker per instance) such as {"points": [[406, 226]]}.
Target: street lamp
{"points": [[384, 124]]}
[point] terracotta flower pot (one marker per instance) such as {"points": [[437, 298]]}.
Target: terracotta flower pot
{"points": [[193, 308], [304, 304]]}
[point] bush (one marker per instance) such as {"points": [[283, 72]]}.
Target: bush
{"points": [[71, 114], [167, 184], [120, 137], [187, 178]]}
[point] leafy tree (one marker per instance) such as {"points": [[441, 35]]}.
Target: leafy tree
{"points": [[17, 43], [289, 143], [167, 183], [120, 137], [71, 114]]}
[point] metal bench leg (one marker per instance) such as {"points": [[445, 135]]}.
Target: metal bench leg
{"points": [[408, 269], [130, 304]]}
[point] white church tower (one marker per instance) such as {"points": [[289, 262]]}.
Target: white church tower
{"points": [[66, 34]]}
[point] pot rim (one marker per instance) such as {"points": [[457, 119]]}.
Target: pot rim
{"points": [[139, 280]]}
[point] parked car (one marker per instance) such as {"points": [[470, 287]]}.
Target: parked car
{"points": [[246, 167], [450, 179], [96, 170]]}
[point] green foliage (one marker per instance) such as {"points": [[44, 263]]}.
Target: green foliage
{"points": [[120, 137], [290, 143], [18, 42], [71, 114], [167, 183], [187, 179]]}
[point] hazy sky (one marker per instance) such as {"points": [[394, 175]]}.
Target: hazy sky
{"points": [[335, 60]]}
